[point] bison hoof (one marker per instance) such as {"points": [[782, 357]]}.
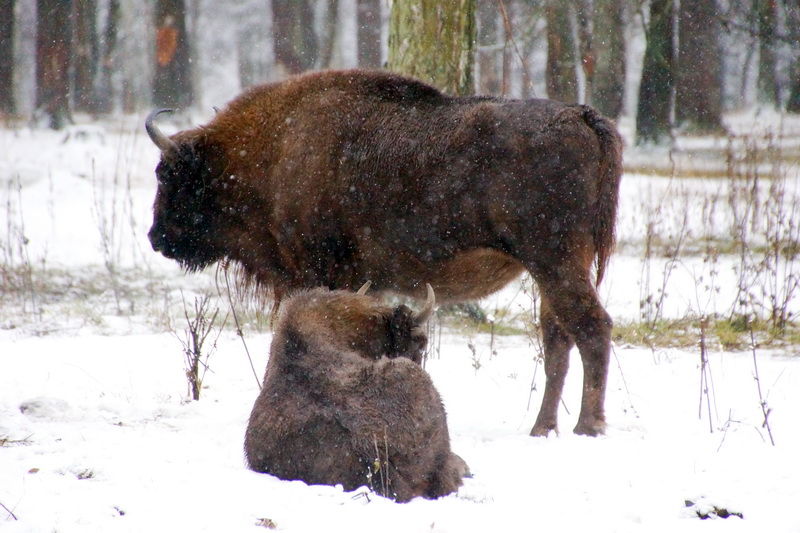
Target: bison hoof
{"points": [[543, 430], [591, 429]]}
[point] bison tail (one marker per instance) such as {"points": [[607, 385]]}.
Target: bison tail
{"points": [[603, 227]]}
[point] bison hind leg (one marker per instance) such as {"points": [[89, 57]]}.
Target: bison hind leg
{"points": [[572, 314], [557, 345]]}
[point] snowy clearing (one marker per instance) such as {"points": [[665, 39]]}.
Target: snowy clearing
{"points": [[96, 433]]}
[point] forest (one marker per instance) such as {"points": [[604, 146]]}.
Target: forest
{"points": [[667, 63]]}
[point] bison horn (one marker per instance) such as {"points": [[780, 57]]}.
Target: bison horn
{"points": [[163, 142], [427, 309], [363, 290]]}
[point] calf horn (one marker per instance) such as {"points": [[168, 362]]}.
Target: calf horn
{"points": [[163, 142], [363, 290], [427, 309]]}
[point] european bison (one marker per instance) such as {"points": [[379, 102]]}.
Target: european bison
{"points": [[334, 178], [343, 401]]}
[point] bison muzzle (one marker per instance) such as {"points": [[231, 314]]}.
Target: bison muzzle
{"points": [[334, 178], [343, 401]]}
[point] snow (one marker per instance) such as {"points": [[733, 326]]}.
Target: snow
{"points": [[98, 435]]}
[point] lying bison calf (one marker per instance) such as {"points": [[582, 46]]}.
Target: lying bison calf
{"points": [[345, 402]]}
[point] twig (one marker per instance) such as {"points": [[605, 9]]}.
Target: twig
{"points": [[9, 511], [765, 410], [624, 381], [704, 370], [238, 326]]}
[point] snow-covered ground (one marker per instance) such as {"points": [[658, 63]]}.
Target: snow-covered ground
{"points": [[96, 433]]}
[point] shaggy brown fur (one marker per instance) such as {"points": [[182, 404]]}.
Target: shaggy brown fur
{"points": [[343, 403], [333, 178]]}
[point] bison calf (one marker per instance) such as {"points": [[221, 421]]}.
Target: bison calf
{"points": [[343, 401]]}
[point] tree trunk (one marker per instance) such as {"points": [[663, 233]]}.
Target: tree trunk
{"points": [[7, 57], [653, 117], [609, 43], [369, 33], [172, 84], [110, 52], [490, 34], [86, 54], [793, 105], [699, 72], [53, 61], [765, 12], [792, 8], [435, 42], [587, 48], [293, 33], [256, 48], [561, 75]]}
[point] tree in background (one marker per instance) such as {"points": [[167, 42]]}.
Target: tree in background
{"points": [[561, 73], [765, 12], [172, 83], [86, 54], [109, 56], [698, 105], [586, 37], [793, 23], [608, 81], [7, 57], [490, 34], [295, 41], [435, 42], [655, 111], [53, 47], [369, 33]]}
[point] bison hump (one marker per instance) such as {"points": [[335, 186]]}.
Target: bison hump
{"points": [[399, 89]]}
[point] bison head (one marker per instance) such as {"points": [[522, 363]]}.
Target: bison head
{"points": [[186, 213], [355, 321]]}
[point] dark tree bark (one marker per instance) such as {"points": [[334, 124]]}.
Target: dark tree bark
{"points": [[609, 44], [435, 42], [653, 117], [699, 69], [53, 43], [561, 75], [793, 105], [369, 33], [172, 84], [7, 106], [86, 54], [293, 31]]}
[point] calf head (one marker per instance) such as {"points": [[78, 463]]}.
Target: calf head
{"points": [[362, 323], [187, 212]]}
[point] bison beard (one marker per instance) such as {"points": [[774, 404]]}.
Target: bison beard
{"points": [[333, 178], [344, 403]]}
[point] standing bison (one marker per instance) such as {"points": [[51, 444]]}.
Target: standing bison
{"points": [[343, 401], [334, 178]]}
